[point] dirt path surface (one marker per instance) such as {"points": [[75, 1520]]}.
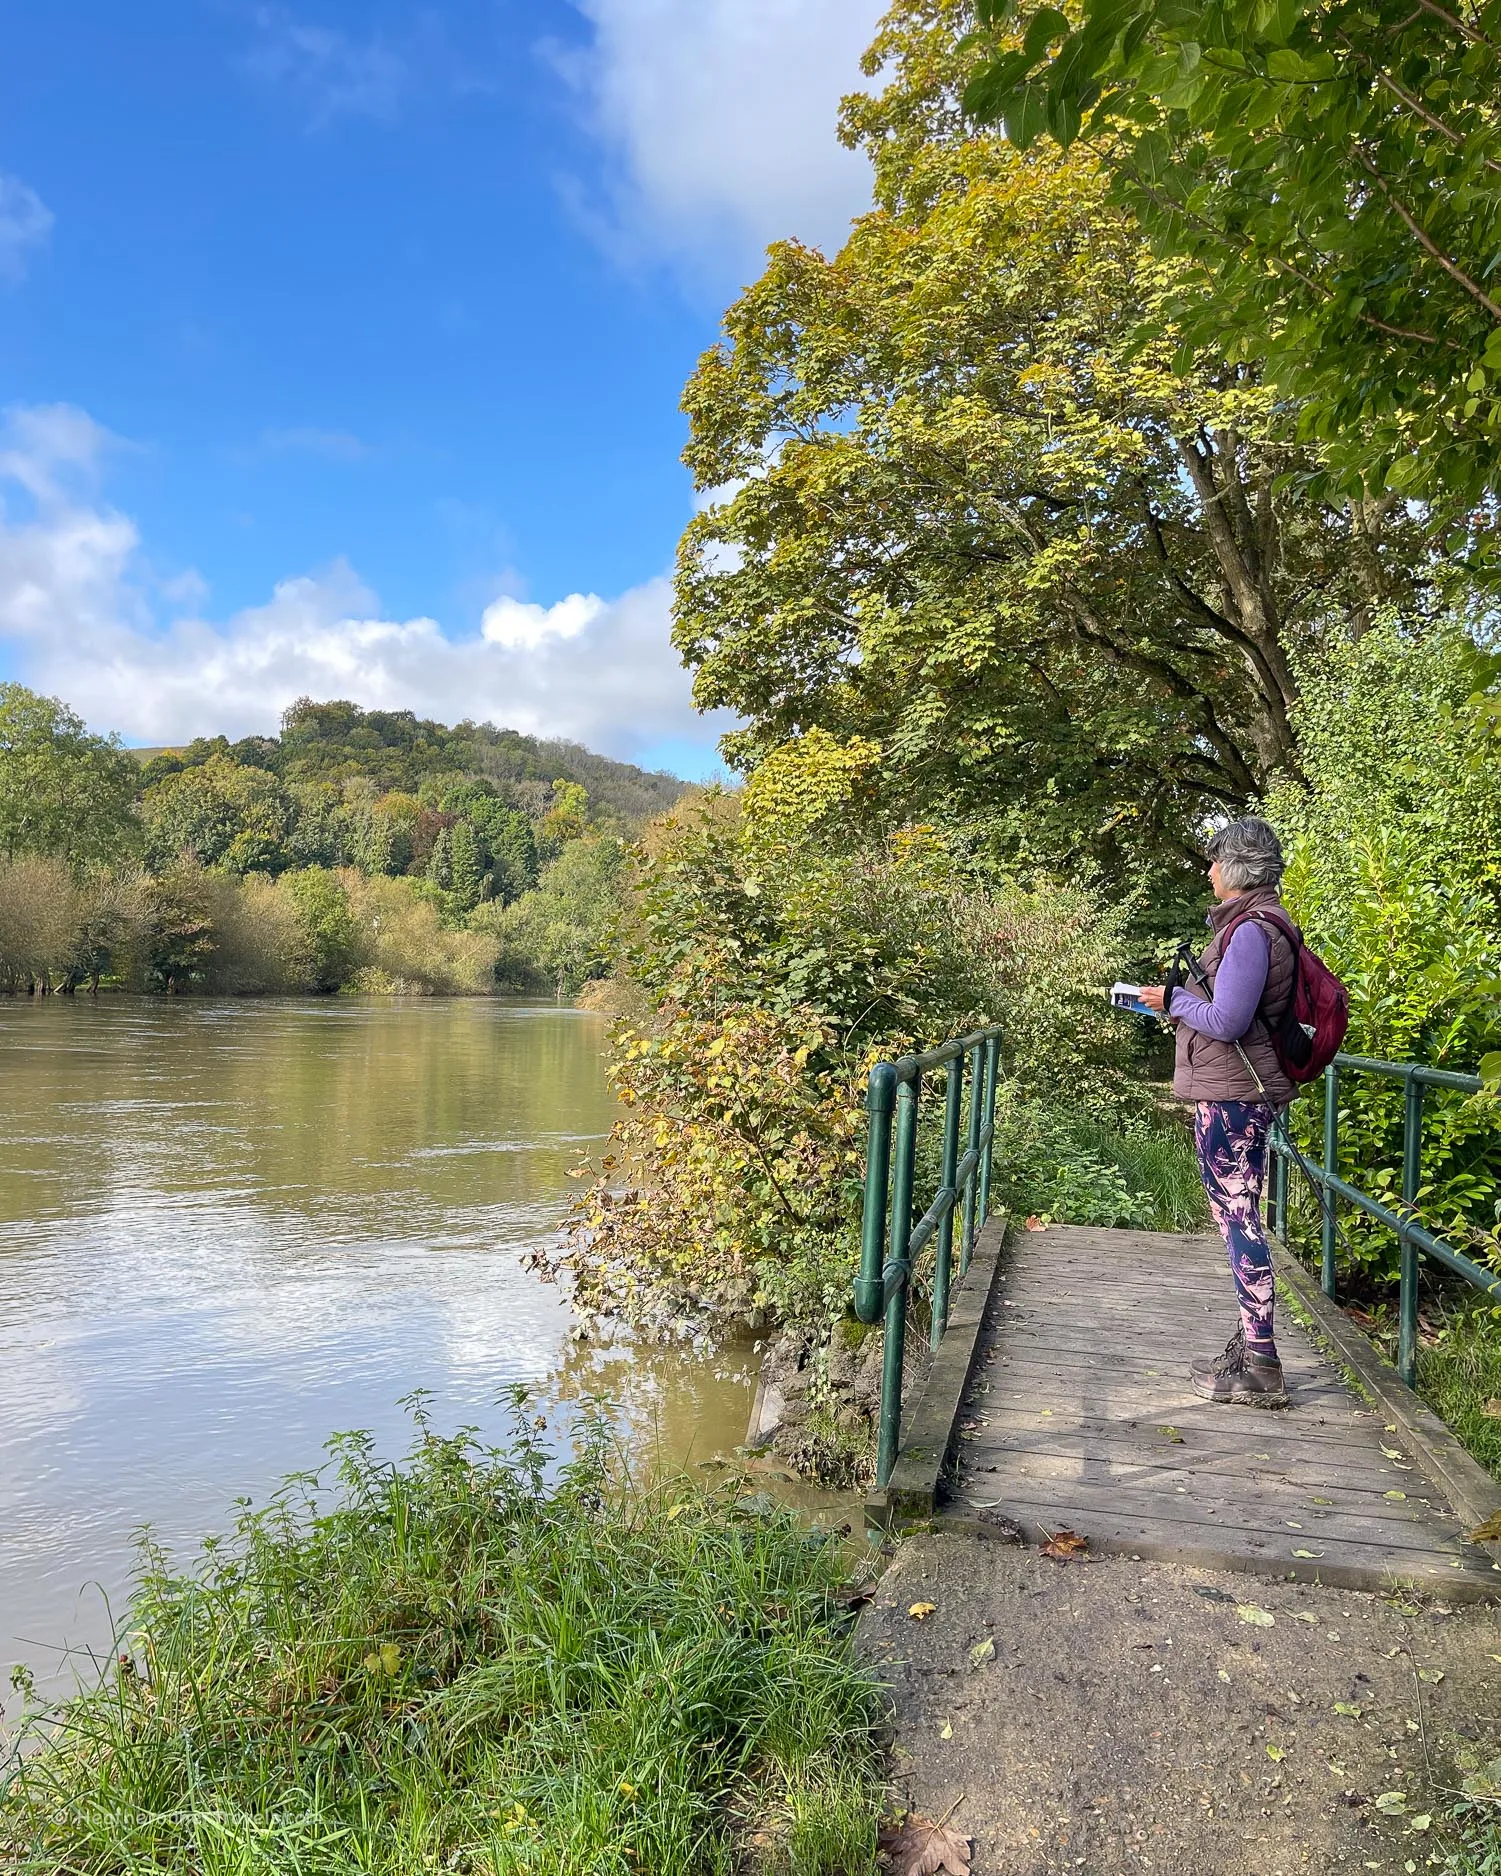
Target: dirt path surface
{"points": [[1138, 1716]]}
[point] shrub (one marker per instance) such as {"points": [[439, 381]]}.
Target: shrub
{"points": [[768, 964], [403, 945], [1395, 874]]}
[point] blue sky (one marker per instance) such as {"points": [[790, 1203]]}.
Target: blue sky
{"points": [[340, 346]]}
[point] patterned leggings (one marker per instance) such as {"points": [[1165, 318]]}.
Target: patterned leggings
{"points": [[1231, 1137]]}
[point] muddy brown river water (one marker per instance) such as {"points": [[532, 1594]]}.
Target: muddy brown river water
{"points": [[230, 1229]]}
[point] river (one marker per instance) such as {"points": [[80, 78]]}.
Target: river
{"points": [[229, 1229]]}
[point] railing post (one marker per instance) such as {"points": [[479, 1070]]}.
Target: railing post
{"points": [[1412, 1172], [1331, 1166], [898, 1277], [992, 1058], [1276, 1205], [942, 1270], [879, 1100], [972, 1141]]}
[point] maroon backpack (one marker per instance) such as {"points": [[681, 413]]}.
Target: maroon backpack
{"points": [[1307, 1036]]}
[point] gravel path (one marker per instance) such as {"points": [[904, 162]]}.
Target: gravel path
{"points": [[1139, 1716]]}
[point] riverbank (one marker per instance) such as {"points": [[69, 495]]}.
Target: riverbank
{"points": [[449, 1664]]}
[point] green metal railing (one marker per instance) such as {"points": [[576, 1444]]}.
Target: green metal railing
{"points": [[1413, 1239], [890, 1243]]}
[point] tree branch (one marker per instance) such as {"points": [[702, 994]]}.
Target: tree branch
{"points": [[1426, 241]]}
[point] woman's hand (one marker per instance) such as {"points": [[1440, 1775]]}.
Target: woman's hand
{"points": [[1152, 996]]}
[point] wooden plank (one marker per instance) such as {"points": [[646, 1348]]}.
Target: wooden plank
{"points": [[1473, 1490], [1354, 1471], [1355, 1566], [1111, 1500], [1252, 1503]]}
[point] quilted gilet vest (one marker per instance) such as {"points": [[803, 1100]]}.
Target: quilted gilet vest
{"points": [[1209, 1070]]}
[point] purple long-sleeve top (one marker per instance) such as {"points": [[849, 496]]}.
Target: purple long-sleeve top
{"points": [[1238, 984]]}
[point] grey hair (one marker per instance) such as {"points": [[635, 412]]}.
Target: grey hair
{"points": [[1249, 854]]}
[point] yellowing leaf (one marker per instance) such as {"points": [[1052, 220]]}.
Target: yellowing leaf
{"points": [[1432, 1675], [920, 1611], [1258, 1618], [1394, 1494], [947, 1731], [1308, 1553], [982, 1652], [1348, 1707], [390, 1656], [1275, 1754]]}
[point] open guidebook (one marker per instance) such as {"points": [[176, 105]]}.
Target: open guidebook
{"points": [[1128, 997]]}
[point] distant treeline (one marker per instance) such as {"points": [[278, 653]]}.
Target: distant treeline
{"points": [[371, 849]]}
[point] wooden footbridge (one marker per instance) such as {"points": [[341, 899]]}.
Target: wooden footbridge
{"points": [[1057, 1397]]}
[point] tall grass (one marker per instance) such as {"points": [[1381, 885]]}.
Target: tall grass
{"points": [[1159, 1163], [453, 1666]]}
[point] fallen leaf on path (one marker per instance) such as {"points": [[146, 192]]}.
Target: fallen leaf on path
{"points": [[1349, 1709], [1034, 1223], [1305, 1615], [920, 1611], [1065, 1544], [1392, 1803], [1489, 1532], [1224, 1677], [1432, 1675], [948, 1730], [1171, 1435], [1392, 1452], [1308, 1553], [1258, 1618], [1275, 1754], [1403, 1495], [1422, 1821], [919, 1847], [1212, 1595], [982, 1652]]}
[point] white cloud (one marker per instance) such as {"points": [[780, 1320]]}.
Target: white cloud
{"points": [[77, 613], [724, 114], [328, 73], [25, 223]]}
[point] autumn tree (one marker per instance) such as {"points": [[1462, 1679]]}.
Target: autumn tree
{"points": [[960, 507]]}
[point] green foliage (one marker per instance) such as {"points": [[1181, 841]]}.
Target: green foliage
{"points": [[447, 1664], [63, 792], [559, 936], [331, 939], [217, 814], [1065, 1168], [1333, 174], [961, 511], [766, 966], [1395, 874]]}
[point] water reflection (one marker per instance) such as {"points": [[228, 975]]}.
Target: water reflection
{"points": [[229, 1229]]}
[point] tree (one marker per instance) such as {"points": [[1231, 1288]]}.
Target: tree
{"points": [[966, 514], [466, 877], [178, 938], [62, 790], [1333, 173], [331, 940], [219, 814]]}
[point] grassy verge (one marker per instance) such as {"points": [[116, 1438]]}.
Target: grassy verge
{"points": [[1459, 1375], [445, 1664]]}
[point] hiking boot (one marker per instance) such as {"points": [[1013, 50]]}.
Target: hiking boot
{"points": [[1212, 1366], [1241, 1377]]}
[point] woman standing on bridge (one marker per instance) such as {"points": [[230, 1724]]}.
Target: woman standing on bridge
{"points": [[1226, 1066]]}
